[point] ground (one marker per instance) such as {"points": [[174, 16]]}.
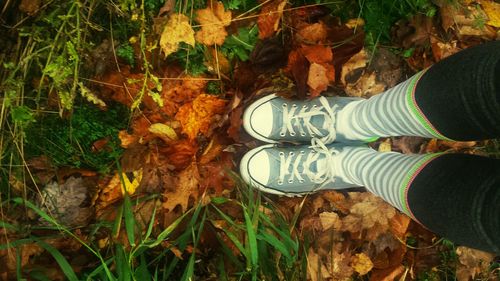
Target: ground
{"points": [[121, 134]]}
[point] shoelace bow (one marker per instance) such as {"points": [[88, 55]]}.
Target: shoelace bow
{"points": [[322, 176], [291, 119]]}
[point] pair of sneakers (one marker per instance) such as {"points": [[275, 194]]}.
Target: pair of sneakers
{"points": [[312, 163]]}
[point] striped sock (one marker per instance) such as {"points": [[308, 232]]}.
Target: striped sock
{"points": [[392, 113], [386, 174]]}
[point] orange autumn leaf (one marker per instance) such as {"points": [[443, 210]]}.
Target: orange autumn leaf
{"points": [[269, 18], [317, 79], [195, 117], [213, 21], [313, 33], [317, 53]]}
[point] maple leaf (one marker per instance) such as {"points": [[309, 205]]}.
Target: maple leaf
{"points": [[212, 20], [197, 116], [176, 30], [269, 18], [187, 185]]}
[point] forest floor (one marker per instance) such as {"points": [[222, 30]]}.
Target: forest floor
{"points": [[121, 135]]}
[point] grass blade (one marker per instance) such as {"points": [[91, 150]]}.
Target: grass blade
{"points": [[129, 219], [60, 259], [252, 241]]}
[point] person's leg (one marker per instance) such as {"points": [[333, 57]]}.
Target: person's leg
{"points": [[454, 195], [458, 98]]}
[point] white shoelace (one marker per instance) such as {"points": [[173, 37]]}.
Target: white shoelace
{"points": [[291, 118], [325, 173]]}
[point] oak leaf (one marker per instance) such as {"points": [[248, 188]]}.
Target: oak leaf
{"points": [[269, 18], [197, 116], [213, 21], [186, 188], [176, 30]]}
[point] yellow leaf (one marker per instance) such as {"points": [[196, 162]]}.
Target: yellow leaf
{"points": [[128, 185], [492, 9], [330, 220], [361, 263], [176, 30], [213, 19], [163, 131]]}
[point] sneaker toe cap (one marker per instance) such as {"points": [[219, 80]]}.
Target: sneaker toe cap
{"points": [[259, 120], [255, 167]]}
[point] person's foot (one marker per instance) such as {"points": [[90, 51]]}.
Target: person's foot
{"points": [[273, 119], [293, 170]]}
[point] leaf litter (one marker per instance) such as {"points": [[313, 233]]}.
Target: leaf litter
{"points": [[184, 148]]}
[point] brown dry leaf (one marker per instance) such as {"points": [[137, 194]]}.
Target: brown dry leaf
{"points": [[330, 220], [464, 19], [312, 33], [269, 18], [441, 50], [29, 7], [338, 264], [298, 66], [366, 86], [176, 30], [316, 270], [472, 262], [361, 263], [213, 20], [186, 188], [388, 274], [197, 116], [399, 224], [370, 213], [317, 53], [492, 10], [354, 67], [317, 79], [181, 153]]}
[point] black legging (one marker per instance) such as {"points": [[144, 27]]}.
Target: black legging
{"points": [[458, 196]]}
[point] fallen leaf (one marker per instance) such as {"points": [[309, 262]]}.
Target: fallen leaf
{"points": [[298, 66], [354, 67], [361, 263], [388, 274], [316, 270], [366, 86], [197, 116], [181, 153], [312, 33], [330, 220], [126, 139], [317, 79], [269, 18], [163, 131], [355, 23], [30, 7], [317, 53], [176, 30], [472, 262], [186, 188], [213, 20], [492, 9]]}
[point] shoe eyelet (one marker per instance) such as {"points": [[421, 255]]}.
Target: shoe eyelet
{"points": [[314, 106], [282, 153], [280, 182], [304, 106], [284, 105], [290, 181], [301, 181], [313, 152], [292, 134], [291, 153], [303, 134], [302, 152], [282, 134], [294, 105]]}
